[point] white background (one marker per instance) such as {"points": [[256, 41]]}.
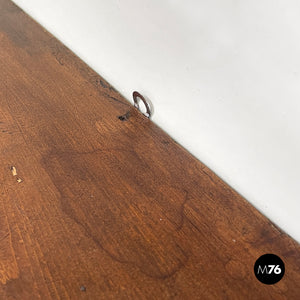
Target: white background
{"points": [[223, 77]]}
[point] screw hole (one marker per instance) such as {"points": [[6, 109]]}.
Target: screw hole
{"points": [[124, 117]]}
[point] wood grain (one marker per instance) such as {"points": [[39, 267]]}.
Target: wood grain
{"points": [[94, 206]]}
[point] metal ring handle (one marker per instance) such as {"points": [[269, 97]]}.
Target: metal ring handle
{"points": [[137, 95]]}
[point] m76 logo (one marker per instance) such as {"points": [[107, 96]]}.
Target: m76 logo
{"points": [[269, 269]]}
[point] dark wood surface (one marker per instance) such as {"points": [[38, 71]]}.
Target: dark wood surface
{"points": [[97, 207]]}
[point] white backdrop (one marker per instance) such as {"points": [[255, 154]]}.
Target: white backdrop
{"points": [[223, 77]]}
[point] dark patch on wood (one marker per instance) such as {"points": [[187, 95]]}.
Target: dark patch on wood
{"points": [[125, 117]]}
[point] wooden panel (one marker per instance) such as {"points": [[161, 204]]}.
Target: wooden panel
{"points": [[96, 207]]}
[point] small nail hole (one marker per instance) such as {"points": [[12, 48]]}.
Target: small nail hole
{"points": [[83, 288], [124, 117]]}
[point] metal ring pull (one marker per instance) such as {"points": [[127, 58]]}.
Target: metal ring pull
{"points": [[136, 96]]}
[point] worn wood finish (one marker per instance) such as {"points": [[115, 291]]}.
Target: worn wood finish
{"points": [[94, 206]]}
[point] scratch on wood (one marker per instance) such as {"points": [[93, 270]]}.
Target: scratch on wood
{"points": [[13, 170], [14, 173]]}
